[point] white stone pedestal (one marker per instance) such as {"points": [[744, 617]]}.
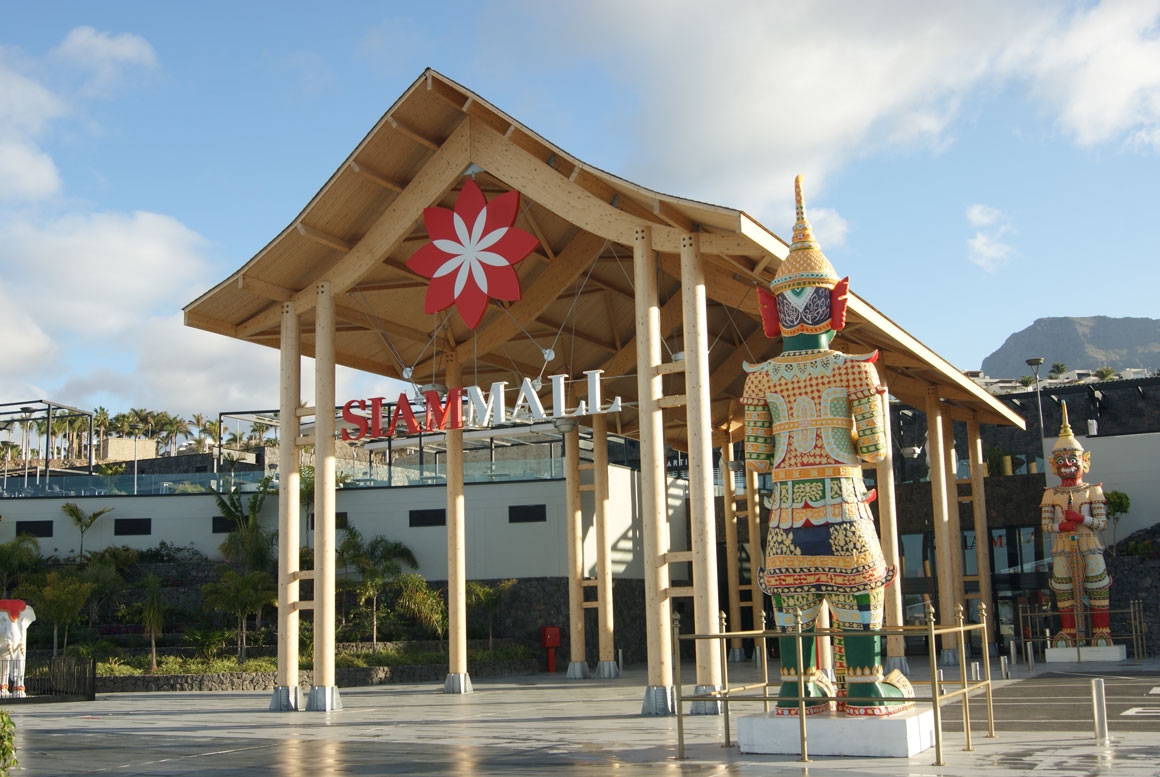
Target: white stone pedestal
{"points": [[1070, 655], [832, 733]]}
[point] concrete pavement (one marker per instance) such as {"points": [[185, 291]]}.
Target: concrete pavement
{"points": [[545, 723]]}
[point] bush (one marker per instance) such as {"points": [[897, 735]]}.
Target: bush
{"points": [[7, 744]]}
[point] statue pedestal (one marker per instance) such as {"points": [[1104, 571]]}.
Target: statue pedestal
{"points": [[831, 733], [1070, 655]]}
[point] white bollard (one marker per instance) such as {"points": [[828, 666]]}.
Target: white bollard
{"points": [[1004, 668], [1100, 710], [975, 676]]}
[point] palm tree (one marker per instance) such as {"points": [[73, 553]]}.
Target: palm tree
{"points": [[378, 563], [59, 599], [82, 520], [257, 435], [198, 421], [423, 604], [108, 587], [1026, 381], [250, 543], [1105, 373], [101, 424], [1057, 369], [17, 556], [491, 598], [240, 596], [153, 616]]}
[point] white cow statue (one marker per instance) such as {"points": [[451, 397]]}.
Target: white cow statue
{"points": [[15, 618]]}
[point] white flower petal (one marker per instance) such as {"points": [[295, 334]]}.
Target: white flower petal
{"points": [[461, 230], [480, 276], [491, 238], [448, 246], [490, 258], [461, 278], [479, 226], [448, 267]]}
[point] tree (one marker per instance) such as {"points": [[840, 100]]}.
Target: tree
{"points": [[101, 423], [1057, 369], [1105, 373], [153, 616], [378, 562], [1026, 381], [423, 604], [490, 598], [82, 520], [1118, 503], [240, 596], [250, 543], [17, 556], [108, 587], [58, 599]]}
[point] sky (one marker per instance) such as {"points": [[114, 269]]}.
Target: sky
{"points": [[971, 166]]}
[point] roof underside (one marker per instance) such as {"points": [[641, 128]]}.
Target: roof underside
{"points": [[577, 312]]}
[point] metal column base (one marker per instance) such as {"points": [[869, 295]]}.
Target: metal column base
{"points": [[736, 655], [948, 657], [607, 670], [324, 698], [457, 682], [658, 700], [890, 663], [705, 707], [286, 698], [578, 670]]}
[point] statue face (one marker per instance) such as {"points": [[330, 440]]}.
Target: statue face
{"points": [[1068, 465], [804, 311]]}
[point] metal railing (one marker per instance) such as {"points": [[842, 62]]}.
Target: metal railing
{"points": [[941, 692], [1036, 636], [60, 678]]}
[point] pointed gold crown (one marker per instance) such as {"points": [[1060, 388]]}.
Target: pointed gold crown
{"points": [[1066, 441], [806, 265]]}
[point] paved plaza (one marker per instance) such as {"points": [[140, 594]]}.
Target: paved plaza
{"points": [[545, 724]]}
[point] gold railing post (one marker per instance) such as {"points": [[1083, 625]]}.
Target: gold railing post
{"points": [[935, 688], [987, 671], [760, 644], [677, 686], [721, 640], [801, 681], [960, 626]]}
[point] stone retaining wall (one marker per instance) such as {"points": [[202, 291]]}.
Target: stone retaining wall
{"points": [[345, 678]]}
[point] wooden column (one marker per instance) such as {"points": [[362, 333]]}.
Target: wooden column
{"points": [[979, 513], [287, 697], [577, 661], [458, 680], [941, 516], [606, 668], [324, 693], [888, 524], [653, 504], [756, 550], [702, 514], [732, 551], [954, 522]]}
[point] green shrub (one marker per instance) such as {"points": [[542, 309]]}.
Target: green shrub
{"points": [[7, 744]]}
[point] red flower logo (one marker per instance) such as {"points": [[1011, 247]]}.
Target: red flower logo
{"points": [[472, 252]]}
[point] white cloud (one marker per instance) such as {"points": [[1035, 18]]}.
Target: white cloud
{"points": [[26, 173], [105, 57], [982, 215]]}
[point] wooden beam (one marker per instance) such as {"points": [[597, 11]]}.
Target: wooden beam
{"points": [[202, 321], [264, 289], [324, 238], [366, 171], [422, 140], [624, 360]]}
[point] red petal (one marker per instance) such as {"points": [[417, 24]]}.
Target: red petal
{"points": [[472, 304], [515, 245], [501, 211], [427, 260], [471, 201], [503, 283], [440, 223], [440, 294]]}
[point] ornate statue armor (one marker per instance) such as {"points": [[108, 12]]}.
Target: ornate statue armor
{"points": [[812, 417], [1072, 513]]}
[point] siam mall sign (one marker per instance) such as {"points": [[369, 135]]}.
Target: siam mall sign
{"points": [[471, 408]]}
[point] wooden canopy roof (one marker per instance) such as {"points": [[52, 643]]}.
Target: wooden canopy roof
{"points": [[577, 311]]}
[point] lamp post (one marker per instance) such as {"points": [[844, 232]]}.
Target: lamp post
{"points": [[28, 411], [136, 429], [1035, 363]]}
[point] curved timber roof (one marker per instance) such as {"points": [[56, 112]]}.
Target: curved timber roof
{"points": [[577, 311]]}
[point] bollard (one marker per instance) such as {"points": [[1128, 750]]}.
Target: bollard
{"points": [[975, 675], [1004, 669], [1100, 710]]}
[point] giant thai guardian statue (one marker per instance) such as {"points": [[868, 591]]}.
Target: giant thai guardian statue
{"points": [[812, 417], [1072, 513]]}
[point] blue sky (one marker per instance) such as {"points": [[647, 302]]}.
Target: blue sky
{"points": [[971, 166]]}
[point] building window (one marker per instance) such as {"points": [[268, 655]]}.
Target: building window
{"points": [[527, 513], [436, 517], [222, 525], [126, 527], [34, 528], [341, 521]]}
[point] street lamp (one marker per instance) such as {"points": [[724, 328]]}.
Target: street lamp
{"points": [[136, 429], [1035, 363]]}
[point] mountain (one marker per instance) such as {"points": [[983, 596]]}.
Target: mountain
{"points": [[1080, 343]]}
